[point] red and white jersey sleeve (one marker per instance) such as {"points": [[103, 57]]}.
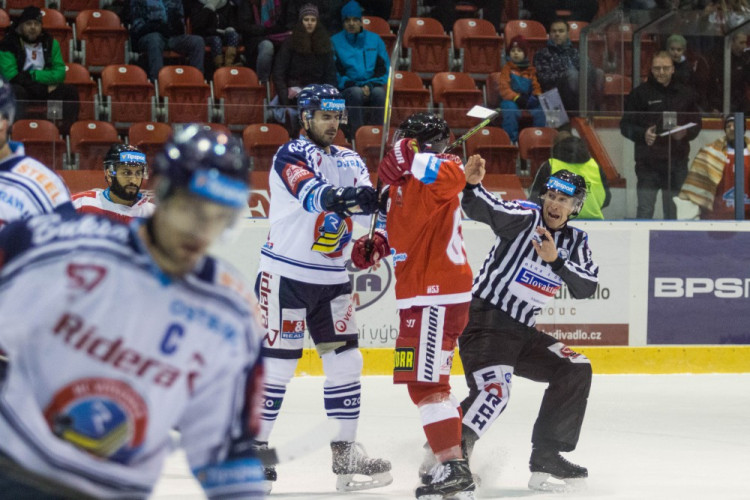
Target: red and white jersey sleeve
{"points": [[424, 231], [95, 201]]}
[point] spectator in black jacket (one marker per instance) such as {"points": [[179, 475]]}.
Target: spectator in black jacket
{"points": [[263, 31], [30, 59], [661, 161], [214, 21]]}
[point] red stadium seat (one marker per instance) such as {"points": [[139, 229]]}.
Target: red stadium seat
{"points": [[381, 27], [493, 144], [41, 140], [89, 142], [54, 23], [535, 145], [409, 96], [240, 97], [4, 22], [261, 141], [397, 10], [149, 137], [532, 31], [187, 97], [15, 7], [616, 87], [71, 8], [428, 47], [574, 30], [128, 95], [454, 94], [88, 95], [480, 47], [367, 141], [102, 37]]}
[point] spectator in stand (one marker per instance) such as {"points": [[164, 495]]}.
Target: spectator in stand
{"points": [[685, 70], [546, 11], [214, 21], [651, 110], [303, 59], [559, 64], [30, 59], [263, 29], [157, 25], [329, 10], [518, 88], [362, 64], [571, 153], [708, 190], [739, 99]]}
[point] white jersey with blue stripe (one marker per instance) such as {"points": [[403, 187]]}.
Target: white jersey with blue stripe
{"points": [[115, 354], [29, 188], [305, 242]]}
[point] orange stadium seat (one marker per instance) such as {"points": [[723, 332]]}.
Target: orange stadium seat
{"points": [[89, 142], [240, 97], [15, 7], [4, 22], [381, 27], [397, 10], [535, 146], [574, 31], [480, 47], [41, 140], [616, 87], [71, 8], [102, 37], [428, 47], [149, 137], [88, 95], [532, 31], [454, 94], [54, 23], [409, 96], [187, 97], [493, 144], [261, 141], [367, 142], [128, 95]]}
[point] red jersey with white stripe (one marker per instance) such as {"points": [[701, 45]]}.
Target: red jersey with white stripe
{"points": [[424, 231], [97, 201]]}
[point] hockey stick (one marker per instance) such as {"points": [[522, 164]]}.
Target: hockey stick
{"points": [[395, 53], [476, 112]]}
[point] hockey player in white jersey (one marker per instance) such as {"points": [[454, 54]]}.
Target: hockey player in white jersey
{"points": [[134, 331], [26, 186], [125, 168], [317, 188]]}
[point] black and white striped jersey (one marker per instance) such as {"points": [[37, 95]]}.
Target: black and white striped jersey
{"points": [[513, 277]]}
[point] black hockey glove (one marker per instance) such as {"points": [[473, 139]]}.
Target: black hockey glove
{"points": [[348, 201]]}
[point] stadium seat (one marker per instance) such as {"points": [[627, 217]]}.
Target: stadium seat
{"points": [[128, 95], [102, 39], [381, 27], [71, 8], [535, 146], [409, 96], [454, 94], [574, 31], [54, 23], [616, 87], [88, 96], [89, 142], [397, 11], [239, 96], [15, 7], [532, 31], [619, 39], [493, 144], [149, 137], [41, 140], [261, 141], [480, 47], [367, 141], [187, 97], [4, 22], [428, 47]]}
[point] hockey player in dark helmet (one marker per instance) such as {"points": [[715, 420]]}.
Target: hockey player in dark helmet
{"points": [[125, 169], [322, 109], [430, 131], [562, 198]]}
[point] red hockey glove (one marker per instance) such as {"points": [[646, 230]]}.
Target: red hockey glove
{"points": [[366, 253], [394, 166]]}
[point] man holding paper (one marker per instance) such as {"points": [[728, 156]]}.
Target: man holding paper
{"points": [[661, 117]]}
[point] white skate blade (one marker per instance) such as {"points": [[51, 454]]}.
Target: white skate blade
{"points": [[267, 486], [540, 481], [461, 495], [351, 482]]}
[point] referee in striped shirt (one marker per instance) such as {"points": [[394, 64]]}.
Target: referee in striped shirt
{"points": [[534, 254]]}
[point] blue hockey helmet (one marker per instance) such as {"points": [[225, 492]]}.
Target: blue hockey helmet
{"points": [[570, 184], [7, 101], [209, 164], [320, 96]]}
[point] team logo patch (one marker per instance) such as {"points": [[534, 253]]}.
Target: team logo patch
{"points": [[102, 416], [292, 329], [537, 282], [293, 176], [403, 360], [332, 233]]}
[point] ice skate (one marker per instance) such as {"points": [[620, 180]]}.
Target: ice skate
{"points": [[268, 471], [428, 466], [350, 460], [450, 480], [545, 464]]}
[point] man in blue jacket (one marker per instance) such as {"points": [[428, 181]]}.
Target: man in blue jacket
{"points": [[362, 65]]}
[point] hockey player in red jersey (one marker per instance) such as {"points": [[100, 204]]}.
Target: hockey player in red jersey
{"points": [[433, 287], [125, 169]]}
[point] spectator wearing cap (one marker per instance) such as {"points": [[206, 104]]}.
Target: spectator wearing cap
{"points": [[30, 59], [362, 64], [518, 88]]}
